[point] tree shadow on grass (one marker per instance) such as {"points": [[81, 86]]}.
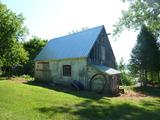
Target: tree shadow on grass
{"points": [[3, 78], [149, 91], [65, 89], [88, 110], [155, 103]]}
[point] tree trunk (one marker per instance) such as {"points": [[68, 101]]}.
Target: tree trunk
{"points": [[152, 79], [140, 78], [158, 76], [145, 78]]}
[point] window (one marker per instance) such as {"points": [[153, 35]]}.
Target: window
{"points": [[103, 53], [66, 70]]}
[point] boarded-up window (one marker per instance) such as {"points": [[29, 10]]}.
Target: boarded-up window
{"points": [[66, 70], [43, 65]]}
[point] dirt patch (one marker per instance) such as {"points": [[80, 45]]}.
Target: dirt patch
{"points": [[130, 93], [18, 80]]}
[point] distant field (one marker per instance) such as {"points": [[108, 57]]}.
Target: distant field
{"points": [[20, 101]]}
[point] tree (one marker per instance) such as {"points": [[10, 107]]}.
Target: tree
{"points": [[33, 47], [121, 65], [16, 55], [140, 12], [145, 55], [11, 32], [125, 77]]}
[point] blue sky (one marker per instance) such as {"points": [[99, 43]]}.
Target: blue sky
{"points": [[53, 18]]}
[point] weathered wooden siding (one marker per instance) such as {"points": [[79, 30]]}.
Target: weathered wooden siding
{"points": [[98, 81], [110, 87], [101, 52], [114, 84], [91, 71], [42, 71], [55, 71]]}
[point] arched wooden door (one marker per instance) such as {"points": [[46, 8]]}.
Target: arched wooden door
{"points": [[97, 82]]}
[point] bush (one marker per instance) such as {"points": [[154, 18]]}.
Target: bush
{"points": [[26, 77], [127, 79]]}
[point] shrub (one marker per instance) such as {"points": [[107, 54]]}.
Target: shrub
{"points": [[127, 79]]}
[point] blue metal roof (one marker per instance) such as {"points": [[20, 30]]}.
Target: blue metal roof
{"points": [[76, 45]]}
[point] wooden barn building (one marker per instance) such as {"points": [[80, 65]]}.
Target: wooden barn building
{"points": [[85, 56]]}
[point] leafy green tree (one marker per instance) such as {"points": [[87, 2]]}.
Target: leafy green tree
{"points": [[143, 12], [121, 65], [11, 32], [140, 12], [16, 55], [145, 55], [33, 47], [125, 77]]}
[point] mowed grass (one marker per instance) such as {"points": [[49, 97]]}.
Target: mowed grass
{"points": [[20, 101]]}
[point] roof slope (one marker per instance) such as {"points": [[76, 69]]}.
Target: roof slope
{"points": [[107, 70], [76, 45]]}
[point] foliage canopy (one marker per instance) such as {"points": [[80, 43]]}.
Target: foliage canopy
{"points": [[12, 31], [145, 57], [140, 12]]}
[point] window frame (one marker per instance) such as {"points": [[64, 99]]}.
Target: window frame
{"points": [[42, 66], [103, 52], [67, 70]]}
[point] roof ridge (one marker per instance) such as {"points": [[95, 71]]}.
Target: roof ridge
{"points": [[78, 32]]}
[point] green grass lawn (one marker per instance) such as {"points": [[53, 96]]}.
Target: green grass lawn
{"points": [[20, 101]]}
